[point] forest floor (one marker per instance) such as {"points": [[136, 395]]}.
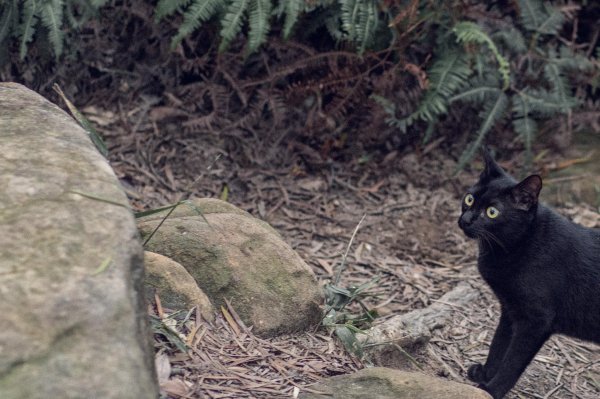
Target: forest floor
{"points": [[409, 240]]}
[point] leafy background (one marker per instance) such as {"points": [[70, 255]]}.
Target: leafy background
{"points": [[359, 72]]}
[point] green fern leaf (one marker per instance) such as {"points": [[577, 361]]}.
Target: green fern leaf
{"points": [[523, 124], [476, 94], [98, 3], [557, 80], [168, 7], [52, 17], [447, 75], [9, 19], [260, 11], [511, 38], [367, 25], [292, 11], [553, 22], [541, 18], [569, 60], [532, 14], [27, 27], [546, 103], [492, 112], [469, 32], [350, 16], [199, 12], [231, 24]]}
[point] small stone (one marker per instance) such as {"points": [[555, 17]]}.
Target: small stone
{"points": [[175, 287]]}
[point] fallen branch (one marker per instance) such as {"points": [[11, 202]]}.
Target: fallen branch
{"points": [[411, 331]]}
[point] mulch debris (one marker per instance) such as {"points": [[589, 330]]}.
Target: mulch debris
{"points": [[408, 239]]}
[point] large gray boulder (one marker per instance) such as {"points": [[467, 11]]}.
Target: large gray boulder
{"points": [[73, 321], [234, 256], [384, 383]]}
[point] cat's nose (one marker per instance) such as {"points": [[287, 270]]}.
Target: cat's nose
{"points": [[466, 218]]}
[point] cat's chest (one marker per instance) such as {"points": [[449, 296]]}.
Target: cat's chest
{"points": [[510, 279]]}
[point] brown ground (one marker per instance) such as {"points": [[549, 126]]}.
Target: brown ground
{"points": [[409, 239]]}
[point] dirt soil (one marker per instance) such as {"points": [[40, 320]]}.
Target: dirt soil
{"points": [[409, 240]]}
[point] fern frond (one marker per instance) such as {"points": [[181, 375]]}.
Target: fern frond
{"points": [[476, 94], [558, 81], [469, 32], [492, 112], [165, 8], [350, 15], [9, 19], [541, 18], [359, 21], [553, 22], [569, 60], [369, 21], [27, 27], [260, 11], [199, 12], [52, 17], [292, 11], [532, 14], [447, 75], [546, 103], [231, 24], [523, 123], [511, 38], [98, 3]]}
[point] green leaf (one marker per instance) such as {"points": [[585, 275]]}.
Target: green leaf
{"points": [[477, 94], [27, 27], [260, 11], [168, 7], [52, 17], [553, 22], [103, 266], [231, 24], [8, 19], [198, 13], [532, 13], [448, 74], [98, 198], [154, 211], [349, 340], [350, 15], [469, 32], [92, 133], [159, 327], [523, 124], [292, 11], [367, 25], [491, 113]]}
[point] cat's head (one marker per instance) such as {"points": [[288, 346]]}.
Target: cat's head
{"points": [[498, 210]]}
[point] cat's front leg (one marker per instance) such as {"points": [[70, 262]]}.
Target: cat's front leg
{"points": [[527, 339], [483, 373]]}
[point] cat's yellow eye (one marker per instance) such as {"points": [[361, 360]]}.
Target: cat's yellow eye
{"points": [[469, 200], [492, 212]]}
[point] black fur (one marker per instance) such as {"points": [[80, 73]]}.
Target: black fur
{"points": [[543, 268]]}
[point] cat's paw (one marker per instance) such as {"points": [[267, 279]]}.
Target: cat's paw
{"points": [[476, 373]]}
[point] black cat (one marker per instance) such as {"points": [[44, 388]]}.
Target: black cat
{"points": [[544, 270]]}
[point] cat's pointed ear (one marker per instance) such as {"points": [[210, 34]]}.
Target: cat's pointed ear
{"points": [[492, 169], [525, 194]]}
